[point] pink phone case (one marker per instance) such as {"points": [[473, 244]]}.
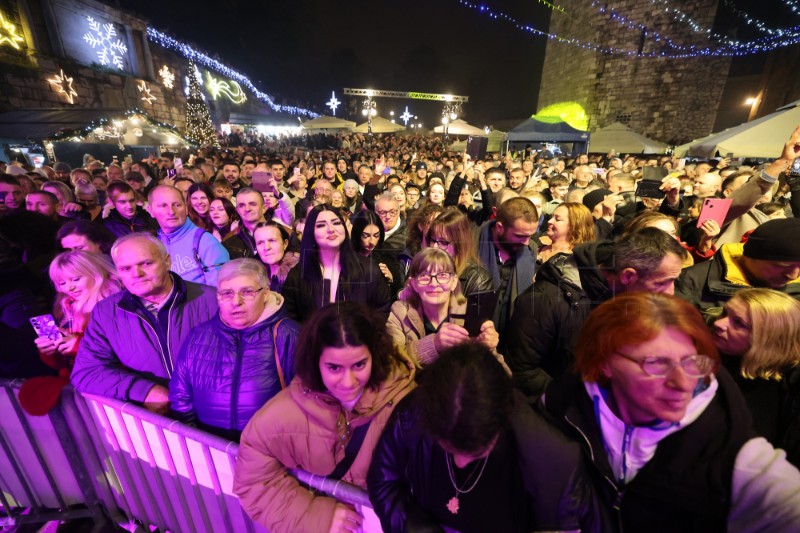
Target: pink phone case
{"points": [[714, 209]]}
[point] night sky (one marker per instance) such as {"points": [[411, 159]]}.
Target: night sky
{"points": [[304, 49]]}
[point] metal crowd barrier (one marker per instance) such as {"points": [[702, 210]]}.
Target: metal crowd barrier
{"points": [[92, 454]]}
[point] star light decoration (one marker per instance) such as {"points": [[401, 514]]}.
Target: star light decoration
{"points": [[103, 38], [406, 116], [64, 85], [146, 95], [8, 33], [190, 53], [167, 77], [232, 90], [333, 103]]}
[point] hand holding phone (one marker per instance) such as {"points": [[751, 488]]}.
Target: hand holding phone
{"points": [[715, 209], [262, 181], [480, 308], [45, 326]]}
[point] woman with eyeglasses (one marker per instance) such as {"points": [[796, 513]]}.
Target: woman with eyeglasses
{"points": [[758, 337], [234, 363], [453, 232], [330, 270], [666, 433], [429, 317]]}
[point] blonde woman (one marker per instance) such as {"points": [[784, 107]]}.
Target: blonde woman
{"points": [[759, 339], [81, 279], [571, 224]]}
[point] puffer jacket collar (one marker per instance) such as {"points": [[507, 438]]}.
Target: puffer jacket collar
{"points": [[323, 410], [271, 320]]}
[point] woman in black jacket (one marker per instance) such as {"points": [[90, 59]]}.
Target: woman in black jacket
{"points": [[452, 232], [368, 241], [330, 270], [465, 452]]}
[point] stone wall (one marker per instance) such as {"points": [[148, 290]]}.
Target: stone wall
{"points": [[672, 100], [53, 30]]}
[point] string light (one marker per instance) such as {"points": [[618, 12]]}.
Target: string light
{"points": [[79, 134], [742, 49], [190, 53]]}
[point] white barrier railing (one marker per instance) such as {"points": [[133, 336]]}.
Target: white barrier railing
{"points": [[92, 453]]}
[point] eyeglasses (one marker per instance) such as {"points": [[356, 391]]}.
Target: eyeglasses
{"points": [[441, 278], [440, 243], [382, 214], [247, 295], [695, 366]]}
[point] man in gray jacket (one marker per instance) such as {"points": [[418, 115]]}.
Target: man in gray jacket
{"points": [[133, 337]]}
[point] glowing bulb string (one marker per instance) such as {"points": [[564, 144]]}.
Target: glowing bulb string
{"points": [[190, 53], [752, 21], [728, 51], [628, 23]]}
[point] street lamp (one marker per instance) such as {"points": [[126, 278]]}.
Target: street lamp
{"points": [[369, 110]]}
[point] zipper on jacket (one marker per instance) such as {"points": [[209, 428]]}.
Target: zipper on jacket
{"points": [[617, 505], [237, 370], [158, 341]]}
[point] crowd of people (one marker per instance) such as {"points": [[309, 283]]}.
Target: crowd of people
{"points": [[516, 342]]}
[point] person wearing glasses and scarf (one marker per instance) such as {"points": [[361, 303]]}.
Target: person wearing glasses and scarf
{"points": [[429, 317], [666, 434], [228, 367]]}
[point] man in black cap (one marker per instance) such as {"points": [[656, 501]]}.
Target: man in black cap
{"points": [[62, 171], [770, 258], [421, 176]]}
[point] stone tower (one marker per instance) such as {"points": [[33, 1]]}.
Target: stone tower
{"points": [[670, 99]]}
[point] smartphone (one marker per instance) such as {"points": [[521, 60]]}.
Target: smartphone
{"points": [[45, 326], [262, 181], [794, 170], [480, 308], [171, 172], [714, 209], [178, 164], [649, 189], [599, 171], [296, 171]]}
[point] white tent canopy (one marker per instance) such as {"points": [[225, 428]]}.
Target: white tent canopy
{"points": [[763, 137], [328, 123], [380, 125], [497, 139], [624, 140], [461, 127]]}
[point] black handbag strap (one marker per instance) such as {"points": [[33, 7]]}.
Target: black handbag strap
{"points": [[350, 451]]}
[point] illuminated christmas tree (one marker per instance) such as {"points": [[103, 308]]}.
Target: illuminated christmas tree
{"points": [[199, 128]]}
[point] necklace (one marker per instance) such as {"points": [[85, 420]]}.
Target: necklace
{"points": [[453, 504]]}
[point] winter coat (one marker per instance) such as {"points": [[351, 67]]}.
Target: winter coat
{"points": [[406, 326], [121, 226], [709, 472], [558, 495], [708, 285], [224, 375], [474, 278], [302, 299], [524, 262], [302, 428], [548, 317], [397, 241], [180, 247], [122, 353]]}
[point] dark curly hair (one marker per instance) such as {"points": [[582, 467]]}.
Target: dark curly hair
{"points": [[344, 324], [465, 397]]}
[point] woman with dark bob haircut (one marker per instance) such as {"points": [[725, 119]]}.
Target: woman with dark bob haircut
{"points": [[330, 270], [464, 452], [348, 376], [666, 432], [85, 236]]}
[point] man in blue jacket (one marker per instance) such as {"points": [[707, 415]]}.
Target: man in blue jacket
{"points": [[133, 337], [196, 255]]}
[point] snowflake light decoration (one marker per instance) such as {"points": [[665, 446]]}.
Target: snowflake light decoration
{"points": [[406, 116], [103, 38], [8, 33], [167, 77], [333, 103], [64, 85], [146, 95]]}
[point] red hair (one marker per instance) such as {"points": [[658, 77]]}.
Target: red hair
{"points": [[635, 318]]}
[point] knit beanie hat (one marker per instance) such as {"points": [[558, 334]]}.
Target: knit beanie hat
{"points": [[775, 240], [591, 199]]}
